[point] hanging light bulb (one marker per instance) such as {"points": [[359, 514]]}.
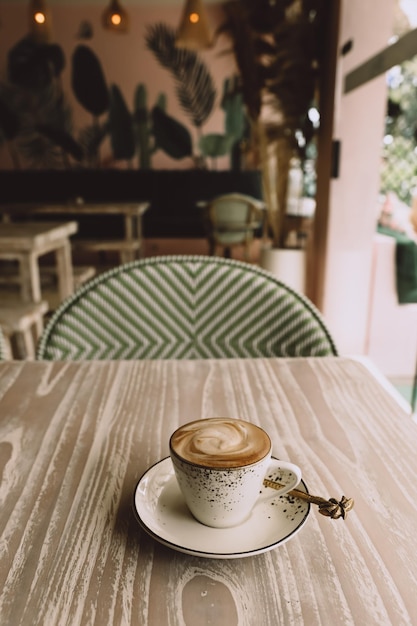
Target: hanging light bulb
{"points": [[115, 18], [194, 32], [40, 22]]}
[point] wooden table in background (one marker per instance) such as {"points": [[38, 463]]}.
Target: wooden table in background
{"points": [[76, 437], [128, 248], [25, 242]]}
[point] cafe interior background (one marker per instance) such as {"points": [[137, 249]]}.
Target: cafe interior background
{"points": [[351, 268]]}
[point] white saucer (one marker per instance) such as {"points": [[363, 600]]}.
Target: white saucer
{"points": [[163, 514]]}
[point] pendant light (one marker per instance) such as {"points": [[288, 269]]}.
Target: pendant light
{"points": [[40, 22], [115, 18], [194, 32]]}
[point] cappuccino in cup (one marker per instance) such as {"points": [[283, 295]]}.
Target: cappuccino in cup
{"points": [[220, 464]]}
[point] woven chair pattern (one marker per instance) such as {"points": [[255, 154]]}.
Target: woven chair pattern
{"points": [[184, 307], [232, 220]]}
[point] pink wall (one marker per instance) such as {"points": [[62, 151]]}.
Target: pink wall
{"points": [[359, 125], [124, 58]]}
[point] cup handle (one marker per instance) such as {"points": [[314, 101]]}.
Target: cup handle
{"points": [[288, 474]]}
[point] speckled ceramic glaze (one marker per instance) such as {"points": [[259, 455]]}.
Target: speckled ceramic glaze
{"points": [[161, 511], [224, 497]]}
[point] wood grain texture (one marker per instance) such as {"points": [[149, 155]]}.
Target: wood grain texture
{"points": [[76, 437]]}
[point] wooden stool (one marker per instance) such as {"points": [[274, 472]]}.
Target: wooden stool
{"points": [[22, 325], [25, 242], [9, 275]]}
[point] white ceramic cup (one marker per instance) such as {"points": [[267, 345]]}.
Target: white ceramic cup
{"points": [[220, 465]]}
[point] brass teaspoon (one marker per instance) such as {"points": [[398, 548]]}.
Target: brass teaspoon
{"points": [[330, 508]]}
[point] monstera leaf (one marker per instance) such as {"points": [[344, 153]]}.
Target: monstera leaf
{"points": [[88, 82], [215, 145], [171, 136]]}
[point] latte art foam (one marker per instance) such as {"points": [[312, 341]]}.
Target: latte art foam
{"points": [[220, 442]]}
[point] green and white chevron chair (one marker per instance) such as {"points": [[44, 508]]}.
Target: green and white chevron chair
{"points": [[184, 307]]}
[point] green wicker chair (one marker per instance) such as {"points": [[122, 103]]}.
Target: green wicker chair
{"points": [[232, 220], [184, 307]]}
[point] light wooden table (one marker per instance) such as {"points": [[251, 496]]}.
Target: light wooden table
{"points": [[26, 242], [128, 248], [76, 437]]}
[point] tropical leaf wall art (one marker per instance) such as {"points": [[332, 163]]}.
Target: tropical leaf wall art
{"points": [[36, 122], [196, 94], [194, 85]]}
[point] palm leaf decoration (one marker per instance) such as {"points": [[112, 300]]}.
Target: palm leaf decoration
{"points": [[36, 119], [88, 81], [121, 126], [278, 48], [170, 135], [9, 121], [193, 82], [32, 65], [61, 139], [91, 139], [9, 126]]}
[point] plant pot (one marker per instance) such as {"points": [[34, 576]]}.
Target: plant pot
{"points": [[287, 264]]}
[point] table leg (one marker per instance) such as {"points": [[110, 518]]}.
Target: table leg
{"points": [[26, 345], [30, 281], [129, 228], [130, 235], [138, 234], [126, 256], [64, 270]]}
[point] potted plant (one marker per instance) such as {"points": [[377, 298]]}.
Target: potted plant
{"points": [[276, 45]]}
